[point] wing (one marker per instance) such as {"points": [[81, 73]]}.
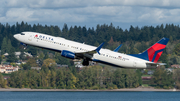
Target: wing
{"points": [[89, 54]]}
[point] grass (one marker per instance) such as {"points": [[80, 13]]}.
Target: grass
{"points": [[4, 74], [145, 85]]}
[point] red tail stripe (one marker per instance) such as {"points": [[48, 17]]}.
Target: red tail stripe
{"points": [[153, 49], [157, 57], [151, 53], [158, 46]]}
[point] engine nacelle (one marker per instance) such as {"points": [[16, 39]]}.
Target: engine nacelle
{"points": [[68, 54]]}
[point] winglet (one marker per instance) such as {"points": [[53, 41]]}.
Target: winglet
{"points": [[99, 48], [117, 49]]}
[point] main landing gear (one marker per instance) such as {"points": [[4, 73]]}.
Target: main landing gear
{"points": [[85, 62]]}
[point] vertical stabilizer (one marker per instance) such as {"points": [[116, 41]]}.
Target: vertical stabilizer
{"points": [[154, 52]]}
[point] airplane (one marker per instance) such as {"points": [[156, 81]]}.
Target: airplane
{"points": [[75, 50]]}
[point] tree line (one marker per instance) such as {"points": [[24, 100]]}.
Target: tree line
{"points": [[95, 77], [92, 77], [134, 40]]}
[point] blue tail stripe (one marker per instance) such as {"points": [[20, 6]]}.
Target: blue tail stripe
{"points": [[143, 55], [155, 54], [163, 41]]}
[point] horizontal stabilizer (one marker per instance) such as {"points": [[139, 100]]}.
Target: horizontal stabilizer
{"points": [[162, 64], [154, 65]]}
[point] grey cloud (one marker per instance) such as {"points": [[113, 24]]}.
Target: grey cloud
{"points": [[84, 3], [94, 11], [18, 14]]}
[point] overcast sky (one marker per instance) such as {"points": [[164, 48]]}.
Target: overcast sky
{"points": [[89, 13]]}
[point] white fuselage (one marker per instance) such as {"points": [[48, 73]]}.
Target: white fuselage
{"points": [[58, 44]]}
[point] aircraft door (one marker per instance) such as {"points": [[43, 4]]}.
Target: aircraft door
{"points": [[30, 37], [134, 63]]}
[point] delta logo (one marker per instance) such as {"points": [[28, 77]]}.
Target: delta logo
{"points": [[43, 37]]}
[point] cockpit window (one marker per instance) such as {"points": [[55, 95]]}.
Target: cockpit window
{"points": [[22, 34]]}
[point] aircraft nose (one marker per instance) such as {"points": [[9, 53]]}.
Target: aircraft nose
{"points": [[16, 36]]}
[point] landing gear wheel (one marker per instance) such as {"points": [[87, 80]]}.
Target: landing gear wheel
{"points": [[85, 63]]}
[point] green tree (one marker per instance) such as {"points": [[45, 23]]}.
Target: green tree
{"points": [[176, 76], [139, 74], [157, 77], [119, 78], [22, 57], [3, 46], [177, 49], [26, 66], [48, 64], [9, 47], [60, 78], [163, 78], [11, 57], [167, 79], [61, 60], [32, 50], [32, 62], [46, 56], [0, 58], [2, 81]]}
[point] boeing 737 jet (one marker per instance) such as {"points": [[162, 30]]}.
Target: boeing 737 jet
{"points": [[76, 50]]}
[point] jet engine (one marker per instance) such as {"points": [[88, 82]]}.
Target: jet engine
{"points": [[68, 54]]}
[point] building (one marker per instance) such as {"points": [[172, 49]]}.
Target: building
{"points": [[150, 72], [61, 66], [78, 63], [17, 54], [8, 68], [169, 69], [6, 54], [27, 54], [19, 62], [175, 66], [146, 78]]}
